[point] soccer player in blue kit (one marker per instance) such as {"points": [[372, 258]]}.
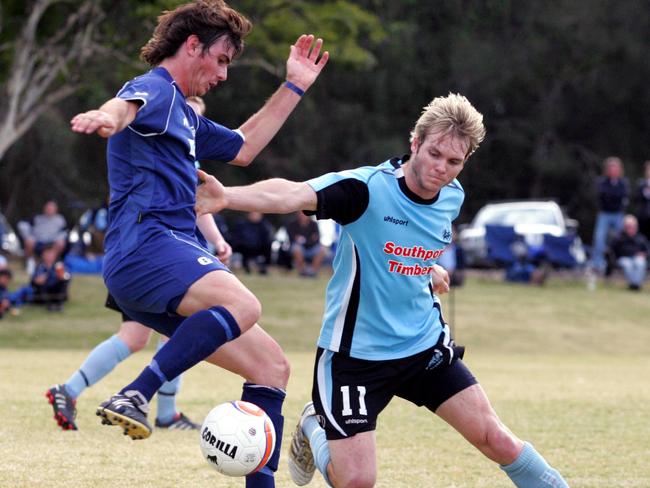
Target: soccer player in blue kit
{"points": [[383, 333], [155, 267]]}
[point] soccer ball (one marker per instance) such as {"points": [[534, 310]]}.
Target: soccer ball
{"points": [[237, 438]]}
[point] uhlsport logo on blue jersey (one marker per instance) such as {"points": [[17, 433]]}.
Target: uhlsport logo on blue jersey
{"points": [[396, 221]]}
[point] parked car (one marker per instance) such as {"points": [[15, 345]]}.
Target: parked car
{"points": [[9, 242], [530, 219]]}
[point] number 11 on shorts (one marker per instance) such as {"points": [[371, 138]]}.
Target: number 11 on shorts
{"points": [[345, 392]]}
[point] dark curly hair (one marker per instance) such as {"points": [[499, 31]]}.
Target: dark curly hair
{"points": [[209, 20]]}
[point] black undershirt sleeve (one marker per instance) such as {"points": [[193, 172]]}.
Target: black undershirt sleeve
{"points": [[344, 201]]}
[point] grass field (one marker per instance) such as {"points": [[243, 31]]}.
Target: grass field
{"points": [[567, 369]]}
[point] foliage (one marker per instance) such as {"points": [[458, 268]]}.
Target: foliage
{"points": [[561, 84]]}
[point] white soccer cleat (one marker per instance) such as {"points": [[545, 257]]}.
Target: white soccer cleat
{"points": [[301, 459]]}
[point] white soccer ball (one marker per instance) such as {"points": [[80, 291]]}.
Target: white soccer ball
{"points": [[237, 438]]}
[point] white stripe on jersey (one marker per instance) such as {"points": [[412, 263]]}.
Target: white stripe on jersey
{"points": [[185, 241], [337, 332], [324, 388]]}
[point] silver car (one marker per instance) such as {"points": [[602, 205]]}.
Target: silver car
{"points": [[530, 219]]}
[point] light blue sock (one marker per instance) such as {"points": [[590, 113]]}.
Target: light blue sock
{"points": [[167, 396], [318, 442], [98, 364], [530, 470]]}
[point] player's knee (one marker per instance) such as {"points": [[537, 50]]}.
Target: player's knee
{"points": [[503, 444], [356, 478], [136, 344], [249, 311], [274, 371]]}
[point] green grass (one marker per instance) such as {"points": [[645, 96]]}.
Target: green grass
{"points": [[565, 368]]}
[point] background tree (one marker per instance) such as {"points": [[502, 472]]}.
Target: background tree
{"points": [[561, 84]]}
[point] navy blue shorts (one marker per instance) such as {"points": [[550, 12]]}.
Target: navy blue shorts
{"points": [[350, 393], [149, 283]]}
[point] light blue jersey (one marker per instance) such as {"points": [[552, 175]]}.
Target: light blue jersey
{"points": [[380, 303]]}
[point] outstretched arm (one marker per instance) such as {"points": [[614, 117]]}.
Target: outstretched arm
{"points": [[303, 67], [269, 196], [109, 119]]}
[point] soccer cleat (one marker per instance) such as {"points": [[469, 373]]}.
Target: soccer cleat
{"points": [[63, 405], [301, 459], [179, 422], [129, 411]]}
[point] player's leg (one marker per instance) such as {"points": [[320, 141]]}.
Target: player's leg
{"points": [[266, 378], [167, 414], [216, 307], [131, 337], [335, 433], [470, 413]]}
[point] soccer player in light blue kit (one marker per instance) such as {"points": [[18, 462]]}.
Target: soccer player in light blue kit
{"points": [[383, 334], [155, 266]]}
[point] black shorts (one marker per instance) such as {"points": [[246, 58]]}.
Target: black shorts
{"points": [[112, 304], [350, 393]]}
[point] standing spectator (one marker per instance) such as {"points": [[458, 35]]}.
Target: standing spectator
{"points": [[642, 200], [613, 193], [251, 237], [305, 245], [47, 229], [631, 250]]}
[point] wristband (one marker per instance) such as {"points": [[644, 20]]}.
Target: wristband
{"points": [[298, 91]]}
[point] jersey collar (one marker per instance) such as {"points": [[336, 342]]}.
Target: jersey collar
{"points": [[399, 174]]}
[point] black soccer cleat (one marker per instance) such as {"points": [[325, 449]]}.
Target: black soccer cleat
{"points": [[64, 407], [129, 411], [179, 422]]}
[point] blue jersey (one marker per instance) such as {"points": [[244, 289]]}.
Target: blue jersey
{"points": [[151, 168], [380, 303]]}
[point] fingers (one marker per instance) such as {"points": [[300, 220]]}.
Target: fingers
{"points": [[202, 175], [323, 60], [316, 50], [92, 121], [303, 43], [303, 48]]}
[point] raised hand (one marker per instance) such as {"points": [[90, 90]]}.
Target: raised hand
{"points": [[303, 65]]}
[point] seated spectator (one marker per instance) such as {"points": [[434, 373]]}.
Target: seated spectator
{"points": [[305, 245], [631, 250], [48, 286], [252, 237], [47, 229], [5, 279]]}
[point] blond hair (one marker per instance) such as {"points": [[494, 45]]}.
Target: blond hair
{"points": [[453, 114]]}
